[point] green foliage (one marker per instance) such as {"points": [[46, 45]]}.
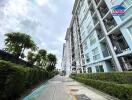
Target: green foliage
{"points": [[31, 57], [118, 77], [110, 83], [14, 79], [52, 60], [17, 42], [41, 58]]}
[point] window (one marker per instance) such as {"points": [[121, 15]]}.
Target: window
{"points": [[127, 3], [95, 51], [96, 55], [89, 70], [83, 35], [89, 28], [92, 39], [87, 58], [99, 68], [85, 46], [130, 29]]}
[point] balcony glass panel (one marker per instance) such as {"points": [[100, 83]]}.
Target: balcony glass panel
{"points": [[97, 2], [103, 9], [127, 13], [109, 23]]}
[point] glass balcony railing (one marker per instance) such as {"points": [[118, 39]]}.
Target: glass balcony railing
{"points": [[109, 24], [100, 36], [95, 19], [127, 13], [106, 53], [97, 2], [103, 9]]}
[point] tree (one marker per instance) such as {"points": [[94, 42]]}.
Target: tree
{"points": [[43, 54], [31, 57], [41, 57], [52, 60], [17, 42]]}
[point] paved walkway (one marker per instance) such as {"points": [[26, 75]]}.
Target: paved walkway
{"points": [[62, 88]]}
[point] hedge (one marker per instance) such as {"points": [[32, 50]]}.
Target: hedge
{"points": [[123, 92], [117, 77], [15, 79]]}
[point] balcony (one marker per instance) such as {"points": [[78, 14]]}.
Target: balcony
{"points": [[83, 61], [92, 9], [109, 23], [119, 43], [99, 32], [105, 49], [97, 2], [95, 19], [103, 9], [126, 62], [106, 53], [89, 2], [73, 63]]}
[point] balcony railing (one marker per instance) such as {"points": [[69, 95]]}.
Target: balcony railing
{"points": [[89, 1], [95, 20], [92, 9], [106, 53], [103, 10], [109, 24], [97, 2], [100, 36]]}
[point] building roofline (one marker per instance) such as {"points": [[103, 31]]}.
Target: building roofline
{"points": [[75, 6]]}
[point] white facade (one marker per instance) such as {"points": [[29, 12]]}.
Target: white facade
{"points": [[102, 42]]}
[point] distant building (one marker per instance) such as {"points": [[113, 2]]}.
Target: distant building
{"points": [[98, 41]]}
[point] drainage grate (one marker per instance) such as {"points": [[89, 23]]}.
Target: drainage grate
{"points": [[82, 97], [74, 90]]}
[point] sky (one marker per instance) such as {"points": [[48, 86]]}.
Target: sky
{"points": [[45, 20]]}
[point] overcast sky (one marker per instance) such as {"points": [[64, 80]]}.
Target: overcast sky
{"points": [[45, 20]]}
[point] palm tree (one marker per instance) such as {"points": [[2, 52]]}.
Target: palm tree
{"points": [[52, 60], [41, 57], [17, 42], [31, 57]]}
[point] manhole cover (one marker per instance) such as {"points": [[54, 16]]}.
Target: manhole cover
{"points": [[74, 90], [82, 97]]}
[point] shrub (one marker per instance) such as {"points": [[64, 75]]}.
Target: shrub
{"points": [[118, 77], [14, 79], [121, 91]]}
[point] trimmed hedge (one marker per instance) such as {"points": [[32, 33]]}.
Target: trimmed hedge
{"points": [[15, 79], [123, 92], [117, 77]]}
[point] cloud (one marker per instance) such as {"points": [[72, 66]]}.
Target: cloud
{"points": [[42, 2], [45, 20]]}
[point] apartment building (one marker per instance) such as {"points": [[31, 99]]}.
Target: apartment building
{"points": [[97, 40]]}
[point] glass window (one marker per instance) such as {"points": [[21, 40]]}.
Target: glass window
{"points": [[127, 3], [85, 46], [89, 70], [99, 68], [130, 29], [95, 51], [92, 40], [87, 58], [128, 12], [96, 55], [83, 35]]}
